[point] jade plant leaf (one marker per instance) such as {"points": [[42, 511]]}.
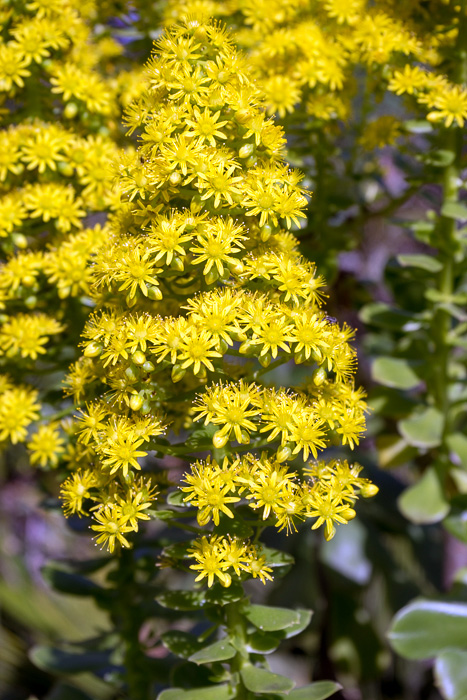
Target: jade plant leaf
{"points": [[57, 661], [271, 619], [394, 372], [423, 429], [315, 691], [219, 651], [451, 674], [181, 643], [424, 262], [424, 502], [215, 692], [425, 628], [181, 600], [259, 680]]}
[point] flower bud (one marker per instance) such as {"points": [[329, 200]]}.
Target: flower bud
{"points": [[138, 357], [177, 373], [154, 293], [265, 360], [219, 440], [319, 376], [369, 490], [246, 150], [93, 349], [284, 453], [136, 402]]}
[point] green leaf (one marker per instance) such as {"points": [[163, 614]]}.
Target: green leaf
{"points": [[393, 451], [315, 691], [456, 523], [426, 628], [457, 443], [303, 622], [454, 210], [57, 661], [218, 595], [423, 428], [394, 372], [424, 502], [258, 680], [440, 158], [264, 642], [384, 316], [70, 583], [64, 691], [213, 692], [175, 498], [271, 619], [424, 262], [219, 651], [418, 126], [181, 600], [275, 558], [451, 674], [181, 643]]}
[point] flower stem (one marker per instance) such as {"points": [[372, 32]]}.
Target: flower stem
{"points": [[236, 628]]}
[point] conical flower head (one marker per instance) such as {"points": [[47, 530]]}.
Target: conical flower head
{"points": [[208, 184]]}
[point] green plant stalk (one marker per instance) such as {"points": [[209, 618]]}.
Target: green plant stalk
{"points": [[442, 322], [236, 628], [139, 684]]}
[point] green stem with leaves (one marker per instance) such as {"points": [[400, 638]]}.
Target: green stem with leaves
{"points": [[236, 628]]}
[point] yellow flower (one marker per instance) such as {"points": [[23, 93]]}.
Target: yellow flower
{"points": [[26, 334], [407, 81], [111, 523], [450, 103], [12, 67], [18, 409], [46, 445]]}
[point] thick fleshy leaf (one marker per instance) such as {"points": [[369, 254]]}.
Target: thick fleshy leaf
{"points": [[457, 443], [181, 600], [384, 316], [259, 680], [219, 651], [418, 126], [451, 674], [394, 372], [454, 210], [69, 582], [423, 429], [64, 691], [218, 595], [270, 619], [424, 502], [215, 692], [304, 619], [424, 262], [276, 559], [264, 642], [393, 450], [426, 628], [181, 643], [315, 691], [456, 521], [57, 661]]}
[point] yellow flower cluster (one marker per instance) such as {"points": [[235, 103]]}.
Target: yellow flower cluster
{"points": [[52, 177], [306, 51], [446, 101], [18, 409], [267, 484], [201, 291], [215, 555]]}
